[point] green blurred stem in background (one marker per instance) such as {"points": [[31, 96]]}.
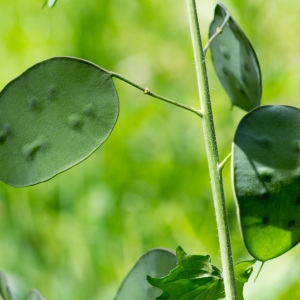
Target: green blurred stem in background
{"points": [[212, 154]]}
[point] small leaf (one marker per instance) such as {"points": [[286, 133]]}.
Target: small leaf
{"points": [[156, 262], [266, 180], [235, 62], [193, 278], [196, 278], [52, 117]]}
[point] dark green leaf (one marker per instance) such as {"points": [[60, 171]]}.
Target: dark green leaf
{"points": [[52, 117], [156, 262], [266, 170], [193, 278], [235, 62]]}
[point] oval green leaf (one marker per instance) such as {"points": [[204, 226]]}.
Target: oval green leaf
{"points": [[52, 117], [235, 62], [156, 263], [266, 171]]}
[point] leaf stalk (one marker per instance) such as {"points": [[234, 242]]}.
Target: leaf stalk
{"points": [[218, 32], [149, 93]]}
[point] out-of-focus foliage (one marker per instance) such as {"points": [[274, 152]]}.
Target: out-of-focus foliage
{"points": [[7, 294], [77, 236]]}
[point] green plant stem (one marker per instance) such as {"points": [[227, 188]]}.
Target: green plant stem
{"points": [[212, 154], [149, 93]]}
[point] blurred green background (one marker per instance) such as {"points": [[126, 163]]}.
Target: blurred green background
{"points": [[77, 236]]}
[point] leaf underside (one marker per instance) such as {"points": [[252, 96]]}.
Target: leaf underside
{"points": [[266, 177], [156, 262], [235, 62], [52, 117], [196, 278]]}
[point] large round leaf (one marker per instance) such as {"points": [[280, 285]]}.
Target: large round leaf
{"points": [[52, 117], [235, 62], [266, 170]]}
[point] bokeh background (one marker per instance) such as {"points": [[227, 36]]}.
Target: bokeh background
{"points": [[77, 236]]}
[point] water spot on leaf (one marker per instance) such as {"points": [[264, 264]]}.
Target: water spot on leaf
{"points": [[90, 111], [265, 175], [32, 103], [4, 133], [226, 53], [264, 142], [265, 220], [75, 121], [225, 71], [30, 150], [243, 92], [296, 145], [51, 92], [246, 67], [244, 79], [265, 196], [291, 224]]}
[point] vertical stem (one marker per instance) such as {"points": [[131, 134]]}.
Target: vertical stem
{"points": [[212, 154]]}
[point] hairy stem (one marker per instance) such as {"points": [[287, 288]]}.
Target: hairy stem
{"points": [[212, 154]]}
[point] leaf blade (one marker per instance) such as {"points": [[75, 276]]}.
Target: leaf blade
{"points": [[156, 262], [235, 62], [194, 277], [265, 170], [61, 103]]}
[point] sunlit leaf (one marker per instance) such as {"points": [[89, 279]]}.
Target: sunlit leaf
{"points": [[156, 262], [266, 176], [196, 278], [52, 117], [235, 62], [242, 272]]}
